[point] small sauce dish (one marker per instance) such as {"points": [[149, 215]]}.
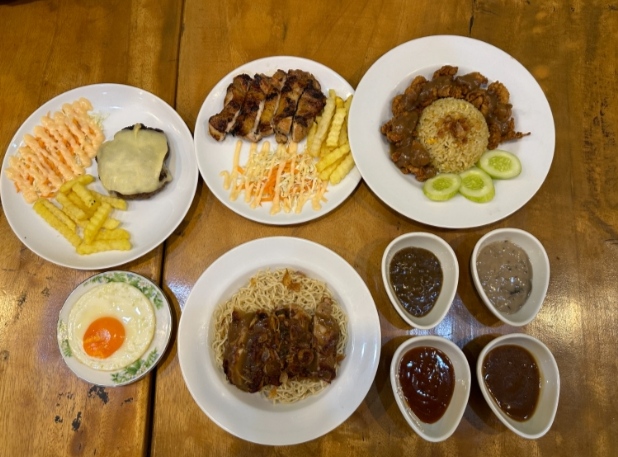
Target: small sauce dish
{"points": [[540, 274], [450, 272], [543, 416], [446, 425]]}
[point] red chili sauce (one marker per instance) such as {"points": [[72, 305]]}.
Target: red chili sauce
{"points": [[513, 379], [427, 381]]}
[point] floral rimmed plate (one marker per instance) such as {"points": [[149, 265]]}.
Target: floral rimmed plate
{"points": [[148, 360]]}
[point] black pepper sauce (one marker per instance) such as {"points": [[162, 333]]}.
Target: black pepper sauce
{"points": [[513, 379], [416, 277], [427, 381]]}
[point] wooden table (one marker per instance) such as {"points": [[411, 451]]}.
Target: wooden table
{"points": [[179, 51]]}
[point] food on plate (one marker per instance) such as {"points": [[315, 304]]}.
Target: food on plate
{"points": [[285, 104], [82, 216], [416, 277], [288, 178], [284, 177], [60, 148], [402, 130], [110, 326], [329, 140], [452, 125], [134, 164], [513, 379], [505, 273], [427, 380], [442, 187], [500, 164], [476, 185], [282, 334]]}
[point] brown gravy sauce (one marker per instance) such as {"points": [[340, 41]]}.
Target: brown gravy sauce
{"points": [[427, 381], [505, 273], [416, 277], [513, 379]]}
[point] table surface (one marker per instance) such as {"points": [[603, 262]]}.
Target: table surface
{"points": [[179, 51]]}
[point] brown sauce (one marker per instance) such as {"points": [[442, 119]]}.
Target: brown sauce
{"points": [[505, 273], [513, 379], [427, 381], [416, 277]]}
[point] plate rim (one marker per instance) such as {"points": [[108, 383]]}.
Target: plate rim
{"points": [[281, 219], [425, 216], [118, 257], [197, 311]]}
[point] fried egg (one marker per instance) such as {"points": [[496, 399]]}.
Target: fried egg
{"points": [[111, 326]]}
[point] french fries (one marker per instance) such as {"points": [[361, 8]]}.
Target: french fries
{"points": [[83, 217], [328, 140]]}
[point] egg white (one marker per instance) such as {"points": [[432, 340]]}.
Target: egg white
{"points": [[123, 302]]}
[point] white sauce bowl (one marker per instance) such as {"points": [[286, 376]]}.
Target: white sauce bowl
{"points": [[446, 425], [545, 412], [540, 273], [450, 271]]}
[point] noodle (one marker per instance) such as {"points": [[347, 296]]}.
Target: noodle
{"points": [[266, 291]]}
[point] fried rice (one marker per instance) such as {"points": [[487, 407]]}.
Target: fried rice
{"points": [[454, 133]]}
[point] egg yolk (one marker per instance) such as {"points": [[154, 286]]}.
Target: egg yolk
{"points": [[103, 337]]}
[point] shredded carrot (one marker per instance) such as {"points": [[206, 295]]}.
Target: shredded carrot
{"points": [[283, 177]]}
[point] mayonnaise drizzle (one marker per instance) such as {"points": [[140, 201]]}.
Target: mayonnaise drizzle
{"points": [[57, 150]]}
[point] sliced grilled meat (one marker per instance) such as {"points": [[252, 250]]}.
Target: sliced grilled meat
{"points": [[271, 86], [309, 106], [290, 94], [222, 123], [234, 357], [249, 117], [326, 337], [295, 350]]}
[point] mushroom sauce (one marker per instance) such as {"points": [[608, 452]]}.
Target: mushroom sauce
{"points": [[505, 273]]}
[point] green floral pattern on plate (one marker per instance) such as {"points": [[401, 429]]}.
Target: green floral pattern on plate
{"points": [[138, 368]]}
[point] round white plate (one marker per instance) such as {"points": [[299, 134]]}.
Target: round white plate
{"points": [[392, 73], [251, 416], [152, 355], [150, 221], [213, 156]]}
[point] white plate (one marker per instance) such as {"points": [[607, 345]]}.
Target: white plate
{"points": [[213, 156], [251, 416], [152, 355], [150, 221], [392, 73]]}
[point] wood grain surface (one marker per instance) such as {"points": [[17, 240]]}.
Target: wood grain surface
{"points": [[179, 51]]}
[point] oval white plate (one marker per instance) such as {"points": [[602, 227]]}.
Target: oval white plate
{"points": [[213, 156], [251, 416], [150, 221], [154, 352], [392, 73]]}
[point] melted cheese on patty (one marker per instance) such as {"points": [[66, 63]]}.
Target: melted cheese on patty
{"points": [[132, 162]]}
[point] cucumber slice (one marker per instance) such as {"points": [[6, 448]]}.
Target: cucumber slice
{"points": [[500, 164], [442, 187], [476, 185]]}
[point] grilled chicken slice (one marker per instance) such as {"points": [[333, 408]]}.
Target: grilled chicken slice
{"points": [[249, 117], [251, 360], [234, 356], [272, 88], [326, 338], [309, 106], [296, 341], [222, 123], [290, 94]]}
